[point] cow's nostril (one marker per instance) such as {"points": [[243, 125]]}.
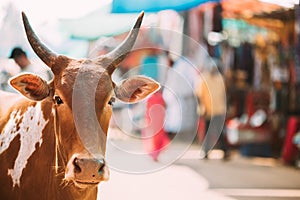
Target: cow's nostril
{"points": [[77, 169], [101, 166], [100, 171]]}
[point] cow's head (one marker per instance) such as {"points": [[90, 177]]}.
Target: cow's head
{"points": [[81, 94]]}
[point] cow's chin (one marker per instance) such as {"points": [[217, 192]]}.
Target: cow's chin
{"points": [[84, 185]]}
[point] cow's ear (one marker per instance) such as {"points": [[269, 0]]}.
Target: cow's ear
{"points": [[31, 86], [135, 89]]}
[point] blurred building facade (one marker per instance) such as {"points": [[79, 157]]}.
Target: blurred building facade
{"points": [[258, 46]]}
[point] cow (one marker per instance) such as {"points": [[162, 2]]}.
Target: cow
{"points": [[53, 134]]}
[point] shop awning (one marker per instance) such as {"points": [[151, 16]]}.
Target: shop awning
{"points": [[247, 8], [129, 6], [250, 20], [97, 24]]}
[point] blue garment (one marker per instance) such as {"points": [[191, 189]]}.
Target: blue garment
{"points": [[149, 67]]}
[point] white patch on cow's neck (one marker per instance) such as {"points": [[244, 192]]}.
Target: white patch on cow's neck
{"points": [[31, 124]]}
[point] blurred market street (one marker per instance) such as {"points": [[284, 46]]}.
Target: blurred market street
{"points": [[169, 100], [191, 178]]}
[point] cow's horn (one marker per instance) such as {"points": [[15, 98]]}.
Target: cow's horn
{"points": [[46, 55], [113, 58]]}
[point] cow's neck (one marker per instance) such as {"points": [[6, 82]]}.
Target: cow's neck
{"points": [[27, 149], [27, 124]]}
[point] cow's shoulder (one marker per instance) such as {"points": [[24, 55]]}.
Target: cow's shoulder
{"points": [[10, 102], [7, 101]]}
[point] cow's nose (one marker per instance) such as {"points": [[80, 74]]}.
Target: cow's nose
{"points": [[88, 168]]}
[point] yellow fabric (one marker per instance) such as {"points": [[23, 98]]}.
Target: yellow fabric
{"points": [[211, 93]]}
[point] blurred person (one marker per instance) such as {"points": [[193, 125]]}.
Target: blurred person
{"points": [[181, 104], [21, 59], [4, 77], [154, 136], [212, 101]]}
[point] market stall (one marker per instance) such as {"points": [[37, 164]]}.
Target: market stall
{"points": [[257, 43]]}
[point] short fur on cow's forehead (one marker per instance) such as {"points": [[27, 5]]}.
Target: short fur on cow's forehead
{"points": [[91, 70], [92, 81]]}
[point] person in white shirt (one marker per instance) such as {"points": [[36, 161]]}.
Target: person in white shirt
{"points": [[21, 59]]}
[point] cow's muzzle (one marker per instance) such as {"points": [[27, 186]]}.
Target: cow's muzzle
{"points": [[86, 172]]}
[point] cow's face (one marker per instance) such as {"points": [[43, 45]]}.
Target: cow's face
{"points": [[82, 94]]}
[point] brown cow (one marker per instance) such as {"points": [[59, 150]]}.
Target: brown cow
{"points": [[52, 143]]}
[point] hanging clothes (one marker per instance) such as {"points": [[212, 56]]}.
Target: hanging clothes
{"points": [[257, 71], [217, 18], [195, 24], [207, 16]]}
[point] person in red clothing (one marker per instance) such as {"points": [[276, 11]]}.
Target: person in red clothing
{"points": [[154, 137]]}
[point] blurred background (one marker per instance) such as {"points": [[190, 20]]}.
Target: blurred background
{"points": [[254, 44]]}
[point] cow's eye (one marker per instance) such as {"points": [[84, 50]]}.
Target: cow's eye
{"points": [[58, 100], [112, 101]]}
